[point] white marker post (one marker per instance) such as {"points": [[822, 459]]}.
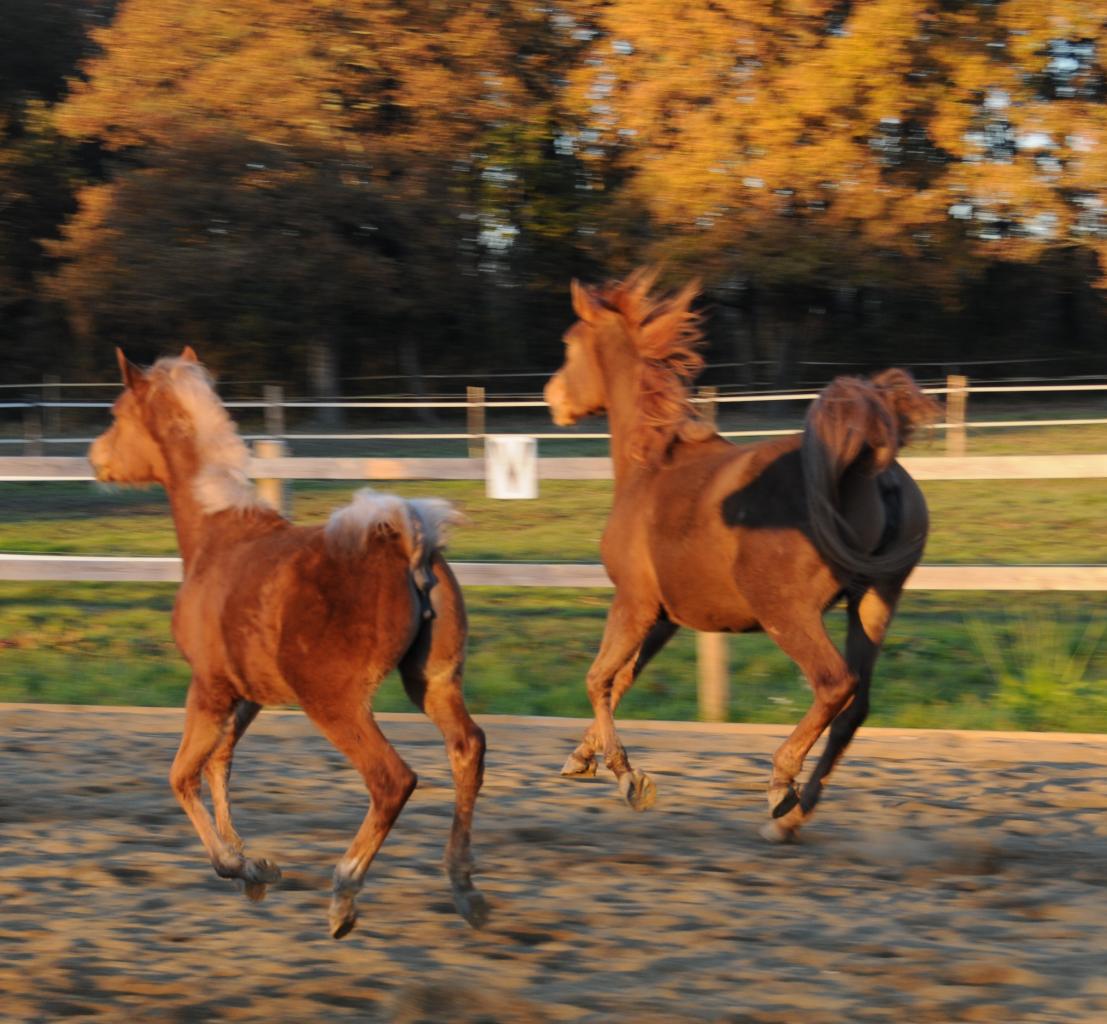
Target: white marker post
{"points": [[510, 466]]}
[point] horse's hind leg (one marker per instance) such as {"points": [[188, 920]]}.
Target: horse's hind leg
{"points": [[208, 715], [801, 634], [217, 771], [869, 617], [348, 724], [582, 761], [433, 682]]}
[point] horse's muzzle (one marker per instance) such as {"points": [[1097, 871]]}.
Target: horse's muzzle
{"points": [[98, 461], [557, 400]]}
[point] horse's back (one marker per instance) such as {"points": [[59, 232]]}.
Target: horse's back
{"points": [[708, 494], [728, 535], [733, 495]]}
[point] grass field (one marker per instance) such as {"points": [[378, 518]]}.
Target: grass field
{"points": [[966, 660], [1026, 661]]}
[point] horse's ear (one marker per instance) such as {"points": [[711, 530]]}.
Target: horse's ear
{"points": [[584, 302], [188, 354], [132, 375]]}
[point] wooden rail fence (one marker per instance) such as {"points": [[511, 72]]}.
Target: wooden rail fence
{"points": [[167, 569], [972, 467], [270, 471]]}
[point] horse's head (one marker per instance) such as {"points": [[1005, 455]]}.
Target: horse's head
{"points": [[129, 451], [577, 389], [643, 345]]}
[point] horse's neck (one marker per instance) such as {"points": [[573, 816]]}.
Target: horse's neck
{"points": [[622, 384], [193, 524]]}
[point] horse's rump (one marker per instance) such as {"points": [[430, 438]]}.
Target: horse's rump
{"points": [[419, 524]]}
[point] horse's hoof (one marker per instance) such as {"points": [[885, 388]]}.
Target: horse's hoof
{"points": [[782, 800], [255, 891], [578, 768], [343, 916], [638, 790], [777, 833], [260, 872], [472, 906]]}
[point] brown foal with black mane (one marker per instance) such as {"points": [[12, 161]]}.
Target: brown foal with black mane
{"points": [[271, 613], [717, 537]]}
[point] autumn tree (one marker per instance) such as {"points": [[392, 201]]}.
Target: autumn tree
{"points": [[41, 44], [806, 152], [323, 189], [304, 179]]}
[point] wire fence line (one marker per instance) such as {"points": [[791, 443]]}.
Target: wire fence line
{"points": [[41, 415], [538, 403], [942, 367]]}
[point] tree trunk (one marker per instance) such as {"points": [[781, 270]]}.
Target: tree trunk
{"points": [[737, 328], [322, 368], [407, 353]]}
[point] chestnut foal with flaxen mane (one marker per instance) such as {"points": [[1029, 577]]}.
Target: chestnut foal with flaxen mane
{"points": [[717, 537], [271, 613]]}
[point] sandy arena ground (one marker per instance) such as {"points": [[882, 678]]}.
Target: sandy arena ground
{"points": [[947, 877]]}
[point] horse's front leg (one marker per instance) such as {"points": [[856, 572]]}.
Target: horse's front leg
{"points": [[627, 627], [581, 763], [217, 772], [208, 713]]}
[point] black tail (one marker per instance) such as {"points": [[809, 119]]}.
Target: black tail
{"points": [[863, 423]]}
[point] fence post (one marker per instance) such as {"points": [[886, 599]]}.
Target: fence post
{"points": [[956, 400], [475, 420], [272, 490], [713, 684], [273, 396], [32, 429], [51, 392], [708, 407]]}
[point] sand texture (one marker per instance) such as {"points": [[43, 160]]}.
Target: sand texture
{"points": [[946, 877]]}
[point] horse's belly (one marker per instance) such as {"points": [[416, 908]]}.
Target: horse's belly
{"points": [[262, 683], [709, 612], [253, 633], [233, 638], [702, 593]]}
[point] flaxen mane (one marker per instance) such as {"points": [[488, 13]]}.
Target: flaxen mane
{"points": [[667, 336], [222, 482]]}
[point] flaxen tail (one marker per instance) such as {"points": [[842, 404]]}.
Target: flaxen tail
{"points": [[420, 524], [859, 423]]}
